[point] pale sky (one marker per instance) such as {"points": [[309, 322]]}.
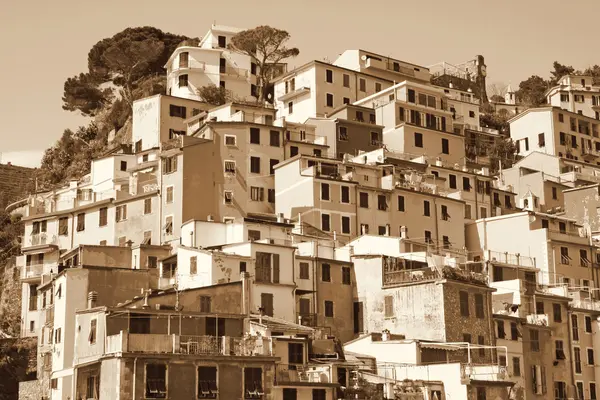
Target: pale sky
{"points": [[44, 42]]}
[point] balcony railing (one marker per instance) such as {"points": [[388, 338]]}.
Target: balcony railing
{"points": [[307, 319], [410, 276], [485, 372], [185, 344], [292, 94], [233, 71], [32, 271], [39, 239], [538, 319], [510, 259], [289, 374]]}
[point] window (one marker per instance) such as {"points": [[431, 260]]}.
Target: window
{"points": [[445, 215], [255, 165], [400, 203], [364, 200], [304, 270], [346, 275], [575, 327], [381, 202], [254, 135], [564, 255], [593, 391], [152, 261], [156, 381], [418, 139], [319, 394], [514, 331], [375, 139], [345, 197], [467, 337], [266, 303], [329, 100], [147, 206], [426, 208], [121, 212], [483, 212], [103, 217], [170, 165], [389, 306], [207, 383], [271, 195], [561, 118], [559, 350], [230, 140], [428, 237], [80, 222], [177, 111], [502, 361], [577, 354], [274, 138], [590, 356], [560, 388], [346, 79], [541, 140], [169, 225], [516, 366], [364, 229], [479, 307], [382, 230], [183, 80], [556, 310], [325, 191], [328, 76], [346, 225], [92, 387], [253, 386], [343, 134], [169, 198], [481, 342], [445, 146], [588, 324], [193, 265], [57, 335], [229, 167], [466, 184], [272, 164], [362, 84], [257, 193], [63, 226], [534, 340], [325, 273], [205, 304], [290, 394], [411, 96], [253, 90], [291, 107], [326, 222], [328, 309], [242, 266], [464, 303], [452, 181]]}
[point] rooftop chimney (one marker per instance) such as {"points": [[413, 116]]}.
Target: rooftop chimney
{"points": [[92, 299]]}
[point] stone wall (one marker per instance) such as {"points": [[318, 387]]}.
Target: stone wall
{"points": [[15, 183], [30, 390]]}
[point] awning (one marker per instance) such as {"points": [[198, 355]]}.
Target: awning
{"points": [[441, 346]]}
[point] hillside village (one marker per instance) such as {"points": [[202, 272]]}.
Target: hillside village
{"points": [[348, 231]]}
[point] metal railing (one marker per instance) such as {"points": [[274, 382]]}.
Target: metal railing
{"points": [[38, 239], [298, 373], [510, 258], [32, 271], [188, 344], [409, 276]]}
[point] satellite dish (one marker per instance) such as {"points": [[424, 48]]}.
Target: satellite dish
{"points": [[363, 57]]}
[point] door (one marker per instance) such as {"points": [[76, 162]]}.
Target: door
{"points": [[358, 317]]}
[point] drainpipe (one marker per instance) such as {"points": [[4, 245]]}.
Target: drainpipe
{"points": [[315, 293], [572, 369], [492, 332], [294, 282], [134, 377]]}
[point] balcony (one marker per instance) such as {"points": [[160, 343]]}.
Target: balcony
{"points": [[166, 282], [292, 94], [251, 346], [391, 278], [388, 66], [234, 72], [32, 271], [39, 239], [570, 235], [297, 374], [302, 136], [307, 319], [486, 372], [509, 259], [189, 64], [538, 319]]}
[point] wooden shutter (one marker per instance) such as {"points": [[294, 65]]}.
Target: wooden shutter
{"points": [[275, 268]]}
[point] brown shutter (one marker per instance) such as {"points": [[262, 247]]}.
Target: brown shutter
{"points": [[275, 268]]}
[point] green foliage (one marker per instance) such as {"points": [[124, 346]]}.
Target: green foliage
{"points": [[15, 365], [531, 91], [81, 93], [364, 390], [216, 95], [266, 46], [497, 98], [489, 118], [594, 72], [71, 155], [10, 230], [558, 72]]}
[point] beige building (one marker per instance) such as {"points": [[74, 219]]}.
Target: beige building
{"points": [[576, 94], [349, 200], [417, 121]]}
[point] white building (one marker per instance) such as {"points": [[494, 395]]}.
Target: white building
{"points": [[211, 63], [577, 94]]}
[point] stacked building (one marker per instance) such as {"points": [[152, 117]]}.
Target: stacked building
{"points": [[342, 240]]}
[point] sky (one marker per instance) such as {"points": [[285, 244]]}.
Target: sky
{"points": [[42, 43]]}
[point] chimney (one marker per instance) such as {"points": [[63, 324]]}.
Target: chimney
{"points": [[404, 232], [92, 299]]}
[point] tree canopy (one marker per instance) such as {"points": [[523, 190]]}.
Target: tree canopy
{"points": [[267, 47], [216, 95]]}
